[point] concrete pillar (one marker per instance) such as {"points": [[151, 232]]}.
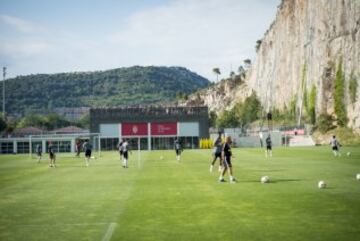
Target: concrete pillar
{"points": [[72, 149], [14, 146], [43, 146], [149, 136]]}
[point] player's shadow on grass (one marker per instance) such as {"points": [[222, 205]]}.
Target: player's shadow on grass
{"points": [[285, 180], [270, 170], [274, 181]]}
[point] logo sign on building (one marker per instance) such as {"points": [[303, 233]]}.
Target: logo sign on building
{"points": [[164, 129], [134, 129]]}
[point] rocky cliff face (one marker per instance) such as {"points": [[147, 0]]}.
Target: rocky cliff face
{"points": [[302, 48], [220, 96], [306, 42]]}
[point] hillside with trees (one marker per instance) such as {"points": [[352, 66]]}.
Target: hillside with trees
{"points": [[41, 93]]}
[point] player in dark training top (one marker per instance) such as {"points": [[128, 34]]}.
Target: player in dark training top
{"points": [[87, 147], [226, 155], [268, 146], [120, 148], [52, 156], [39, 152], [217, 153]]}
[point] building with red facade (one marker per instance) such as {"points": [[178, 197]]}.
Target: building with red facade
{"points": [[150, 127]]}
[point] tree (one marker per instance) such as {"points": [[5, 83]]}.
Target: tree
{"points": [[227, 119], [312, 104], [232, 74], [241, 71], [54, 121], [325, 123], [247, 63], [339, 105], [3, 124], [84, 122], [249, 110], [31, 120], [217, 72], [353, 85], [258, 44], [212, 118]]}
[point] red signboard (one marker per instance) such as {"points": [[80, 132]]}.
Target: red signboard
{"points": [[164, 129], [134, 129]]}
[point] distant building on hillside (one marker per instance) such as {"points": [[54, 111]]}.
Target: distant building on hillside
{"points": [[156, 127], [72, 114]]}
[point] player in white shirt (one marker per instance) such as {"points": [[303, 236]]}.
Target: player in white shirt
{"points": [[125, 151], [177, 149], [335, 146]]}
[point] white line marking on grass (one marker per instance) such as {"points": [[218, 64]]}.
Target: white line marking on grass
{"points": [[109, 232], [60, 224]]}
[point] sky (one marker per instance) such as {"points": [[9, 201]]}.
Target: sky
{"points": [[52, 36]]}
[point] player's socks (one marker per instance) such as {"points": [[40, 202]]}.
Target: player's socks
{"points": [[211, 168], [220, 168]]}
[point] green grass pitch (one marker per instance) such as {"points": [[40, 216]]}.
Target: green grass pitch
{"points": [[162, 200]]}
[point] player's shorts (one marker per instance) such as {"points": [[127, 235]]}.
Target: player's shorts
{"points": [[52, 155], [335, 148], [227, 161], [39, 154], [125, 154], [88, 153], [268, 148], [121, 153], [217, 154], [178, 152]]}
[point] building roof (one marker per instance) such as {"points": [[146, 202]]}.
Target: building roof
{"points": [[68, 130], [28, 131], [151, 110]]}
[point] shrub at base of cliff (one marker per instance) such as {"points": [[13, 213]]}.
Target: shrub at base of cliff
{"points": [[353, 88], [227, 119], [339, 96], [325, 123], [242, 114]]}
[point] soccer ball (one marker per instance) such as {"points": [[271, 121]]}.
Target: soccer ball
{"points": [[265, 179], [161, 157], [322, 184], [348, 154], [358, 176]]}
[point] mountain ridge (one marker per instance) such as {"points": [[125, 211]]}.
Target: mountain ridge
{"points": [[39, 93]]}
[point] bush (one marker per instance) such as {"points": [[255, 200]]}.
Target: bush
{"points": [[339, 106], [325, 123], [227, 119], [312, 104], [353, 88]]}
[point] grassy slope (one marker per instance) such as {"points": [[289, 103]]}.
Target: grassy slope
{"points": [[164, 200]]}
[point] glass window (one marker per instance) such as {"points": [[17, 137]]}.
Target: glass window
{"points": [[23, 147], [59, 146], [34, 145], [109, 144], [7, 147]]}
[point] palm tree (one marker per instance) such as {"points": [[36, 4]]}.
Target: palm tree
{"points": [[217, 72], [241, 71]]}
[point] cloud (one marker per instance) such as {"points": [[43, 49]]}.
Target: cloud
{"points": [[196, 34], [19, 24]]}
